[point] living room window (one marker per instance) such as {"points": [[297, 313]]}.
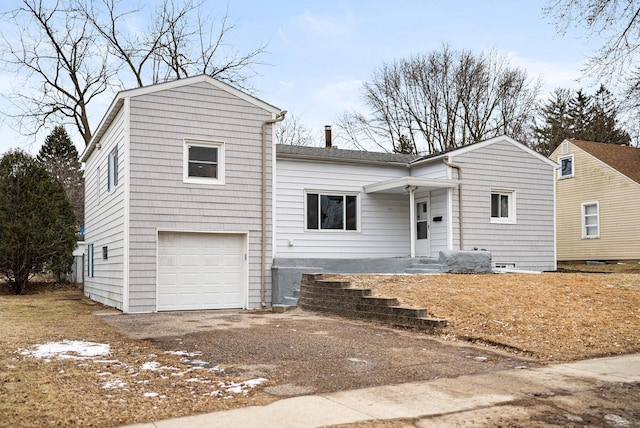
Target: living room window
{"points": [[590, 220], [566, 166], [503, 206], [204, 162], [331, 211]]}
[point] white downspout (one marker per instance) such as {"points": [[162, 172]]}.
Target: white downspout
{"points": [[263, 232]]}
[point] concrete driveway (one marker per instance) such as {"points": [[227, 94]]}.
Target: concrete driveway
{"points": [[307, 353]]}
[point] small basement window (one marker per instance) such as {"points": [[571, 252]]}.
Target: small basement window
{"points": [[505, 266]]}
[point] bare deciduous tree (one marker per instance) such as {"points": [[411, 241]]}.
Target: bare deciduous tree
{"points": [[74, 50], [59, 64], [617, 24], [443, 100], [292, 131]]}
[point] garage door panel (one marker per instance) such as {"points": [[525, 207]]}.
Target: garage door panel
{"points": [[200, 271]]}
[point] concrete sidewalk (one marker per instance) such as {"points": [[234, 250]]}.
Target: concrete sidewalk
{"points": [[433, 403]]}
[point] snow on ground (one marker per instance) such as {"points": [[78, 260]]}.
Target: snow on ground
{"points": [[67, 349], [90, 351]]}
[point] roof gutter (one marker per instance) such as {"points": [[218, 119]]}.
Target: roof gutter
{"points": [[263, 232], [460, 222]]}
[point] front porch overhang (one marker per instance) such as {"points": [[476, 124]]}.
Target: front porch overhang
{"points": [[402, 185]]}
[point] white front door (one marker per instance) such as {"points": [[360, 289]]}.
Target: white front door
{"points": [[423, 249]]}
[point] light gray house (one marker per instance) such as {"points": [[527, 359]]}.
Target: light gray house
{"points": [[178, 201], [185, 208]]}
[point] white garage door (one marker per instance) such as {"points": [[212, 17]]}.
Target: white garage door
{"points": [[200, 271]]}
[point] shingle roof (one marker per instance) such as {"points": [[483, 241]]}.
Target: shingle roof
{"points": [[341, 154], [625, 159]]}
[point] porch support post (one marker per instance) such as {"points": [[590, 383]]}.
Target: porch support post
{"points": [[412, 219]]}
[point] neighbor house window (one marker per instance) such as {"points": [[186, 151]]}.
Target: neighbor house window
{"points": [[112, 169], [203, 162], [590, 220], [105, 253], [566, 166], [332, 211], [503, 206]]}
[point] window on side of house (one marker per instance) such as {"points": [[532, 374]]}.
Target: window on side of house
{"points": [[112, 169], [90, 260], [503, 206], [590, 220], [331, 211], [204, 162], [98, 189], [566, 166]]}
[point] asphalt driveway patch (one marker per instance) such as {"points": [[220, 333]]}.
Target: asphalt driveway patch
{"points": [[306, 353]]}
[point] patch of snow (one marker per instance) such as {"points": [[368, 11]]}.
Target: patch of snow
{"points": [[152, 365], [115, 383], [151, 394], [67, 349]]}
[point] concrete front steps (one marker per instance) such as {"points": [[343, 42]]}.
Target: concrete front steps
{"points": [[339, 298]]}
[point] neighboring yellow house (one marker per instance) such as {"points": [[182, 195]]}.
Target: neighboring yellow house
{"points": [[597, 201]]}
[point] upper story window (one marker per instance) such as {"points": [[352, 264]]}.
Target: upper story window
{"points": [[566, 166], [112, 169], [204, 162], [332, 211], [590, 220], [503, 206]]}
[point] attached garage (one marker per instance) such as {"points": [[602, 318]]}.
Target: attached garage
{"points": [[201, 271]]}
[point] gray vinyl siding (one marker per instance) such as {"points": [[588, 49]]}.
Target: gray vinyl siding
{"points": [[530, 242], [160, 200], [104, 219], [384, 218], [435, 169]]}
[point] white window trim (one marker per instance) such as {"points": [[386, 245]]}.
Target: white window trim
{"points": [[573, 166], [584, 226], [512, 206], [333, 193], [185, 162], [112, 170]]}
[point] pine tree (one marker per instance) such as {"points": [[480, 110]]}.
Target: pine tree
{"points": [[603, 126], [581, 114], [556, 123], [60, 158], [37, 224]]}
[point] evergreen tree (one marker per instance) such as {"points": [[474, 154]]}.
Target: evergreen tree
{"points": [[603, 126], [556, 123], [579, 116], [37, 225], [60, 158]]}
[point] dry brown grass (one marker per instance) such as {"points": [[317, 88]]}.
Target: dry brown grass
{"points": [[552, 317], [36, 393]]}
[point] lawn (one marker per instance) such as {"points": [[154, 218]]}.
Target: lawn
{"points": [[552, 317], [88, 374]]}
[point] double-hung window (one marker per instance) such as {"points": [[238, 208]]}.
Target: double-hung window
{"points": [[331, 211], [204, 162], [566, 166], [503, 206], [590, 220]]}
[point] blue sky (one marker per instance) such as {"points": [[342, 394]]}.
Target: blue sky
{"points": [[320, 52]]}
